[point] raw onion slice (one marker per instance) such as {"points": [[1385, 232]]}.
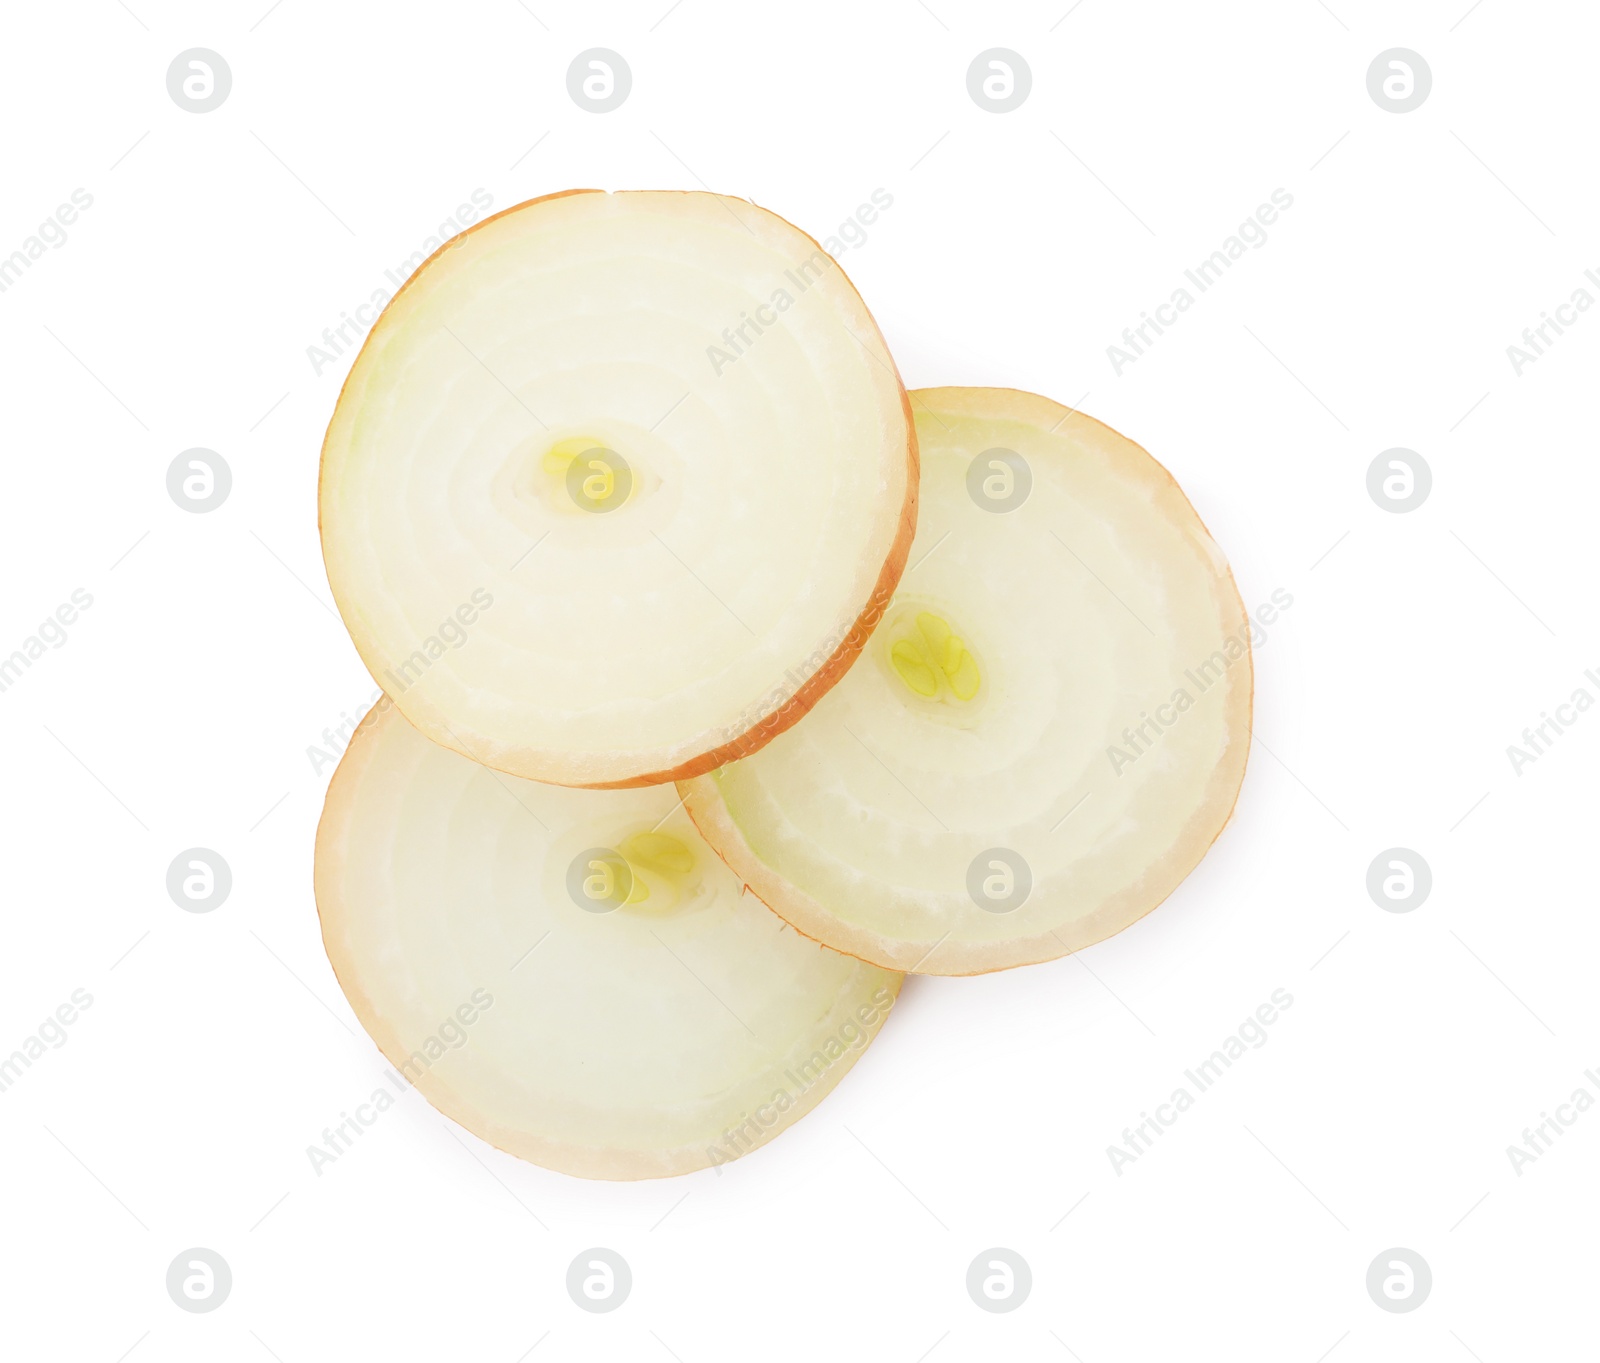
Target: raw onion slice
{"points": [[617, 486], [571, 974], [1046, 732]]}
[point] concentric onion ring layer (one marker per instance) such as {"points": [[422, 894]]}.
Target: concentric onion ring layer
{"points": [[1043, 738], [770, 477], [677, 1031]]}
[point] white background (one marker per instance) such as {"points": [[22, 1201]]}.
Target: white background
{"points": [[180, 709]]}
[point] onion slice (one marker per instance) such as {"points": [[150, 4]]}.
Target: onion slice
{"points": [[617, 486], [1047, 731], [572, 975]]}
